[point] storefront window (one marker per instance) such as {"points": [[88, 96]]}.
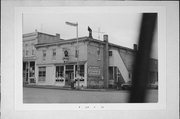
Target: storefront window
{"points": [[32, 69], [59, 71], [111, 73], [81, 73], [42, 73]]}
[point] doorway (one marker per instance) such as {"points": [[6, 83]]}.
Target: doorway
{"points": [[69, 74], [69, 77]]}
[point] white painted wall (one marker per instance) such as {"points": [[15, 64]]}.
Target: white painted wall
{"points": [[116, 60], [50, 75]]}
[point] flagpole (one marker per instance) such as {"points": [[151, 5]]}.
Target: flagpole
{"points": [[77, 45], [77, 48]]}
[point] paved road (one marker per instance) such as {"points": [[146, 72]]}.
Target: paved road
{"points": [[37, 95]]}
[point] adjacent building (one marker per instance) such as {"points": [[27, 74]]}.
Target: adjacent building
{"points": [[89, 63], [29, 52]]}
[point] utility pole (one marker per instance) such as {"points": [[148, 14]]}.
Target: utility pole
{"points": [[77, 48]]}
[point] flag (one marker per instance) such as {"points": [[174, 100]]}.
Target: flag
{"points": [[71, 24], [89, 29]]}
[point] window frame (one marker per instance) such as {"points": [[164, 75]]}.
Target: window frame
{"points": [[44, 54], [110, 52], [42, 73]]}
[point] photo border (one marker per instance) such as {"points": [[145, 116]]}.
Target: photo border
{"points": [[90, 106]]}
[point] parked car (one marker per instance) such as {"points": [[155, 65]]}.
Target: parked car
{"points": [[126, 86]]}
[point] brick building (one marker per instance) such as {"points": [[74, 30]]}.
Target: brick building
{"points": [[101, 64]]}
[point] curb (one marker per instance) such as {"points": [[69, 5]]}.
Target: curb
{"points": [[64, 88]]}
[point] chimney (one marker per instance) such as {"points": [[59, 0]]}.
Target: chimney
{"points": [[135, 47], [106, 61], [58, 36]]}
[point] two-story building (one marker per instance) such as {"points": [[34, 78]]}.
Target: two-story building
{"points": [[101, 64], [29, 52]]}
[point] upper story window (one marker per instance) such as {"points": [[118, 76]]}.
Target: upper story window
{"points": [[98, 53], [32, 51], [44, 54], [54, 52], [110, 53], [76, 53], [27, 52]]}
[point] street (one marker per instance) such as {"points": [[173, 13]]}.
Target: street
{"points": [[38, 95]]}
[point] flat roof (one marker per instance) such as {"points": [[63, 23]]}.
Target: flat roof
{"points": [[80, 39]]}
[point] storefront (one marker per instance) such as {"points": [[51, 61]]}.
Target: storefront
{"points": [[64, 75], [29, 72]]}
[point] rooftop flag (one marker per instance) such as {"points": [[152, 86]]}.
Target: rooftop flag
{"points": [[90, 32], [89, 29]]}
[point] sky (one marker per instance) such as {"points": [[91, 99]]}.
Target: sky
{"points": [[121, 28]]}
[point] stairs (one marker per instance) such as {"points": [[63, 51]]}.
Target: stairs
{"points": [[121, 66]]}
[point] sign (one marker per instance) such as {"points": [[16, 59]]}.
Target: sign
{"points": [[93, 71]]}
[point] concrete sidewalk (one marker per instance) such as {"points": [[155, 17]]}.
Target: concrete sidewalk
{"points": [[67, 88]]}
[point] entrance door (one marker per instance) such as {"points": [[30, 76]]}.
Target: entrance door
{"points": [[25, 72], [69, 77]]}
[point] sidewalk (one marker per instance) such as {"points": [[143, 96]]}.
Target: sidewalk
{"points": [[67, 88]]}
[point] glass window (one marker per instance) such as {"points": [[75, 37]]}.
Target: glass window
{"points": [[32, 69], [69, 67], [42, 73], [54, 52], [110, 53], [59, 71], [32, 51], [44, 54], [76, 53], [98, 51], [81, 73], [111, 73], [27, 52]]}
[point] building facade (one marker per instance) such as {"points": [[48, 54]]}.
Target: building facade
{"points": [[90, 63], [29, 53]]}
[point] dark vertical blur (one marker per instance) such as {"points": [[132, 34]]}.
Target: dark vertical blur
{"points": [[141, 63]]}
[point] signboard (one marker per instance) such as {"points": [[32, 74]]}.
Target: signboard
{"points": [[93, 71]]}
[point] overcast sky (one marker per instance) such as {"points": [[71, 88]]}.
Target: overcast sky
{"points": [[122, 29]]}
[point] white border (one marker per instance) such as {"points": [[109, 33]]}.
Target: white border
{"points": [[89, 106]]}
